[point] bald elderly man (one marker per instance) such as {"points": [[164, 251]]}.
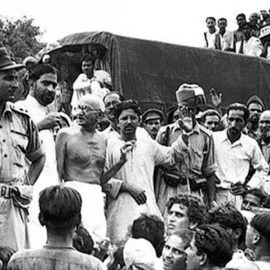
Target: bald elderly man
{"points": [[81, 152]]}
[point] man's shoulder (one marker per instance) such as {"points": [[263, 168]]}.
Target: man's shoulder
{"points": [[18, 109], [62, 257], [205, 131]]}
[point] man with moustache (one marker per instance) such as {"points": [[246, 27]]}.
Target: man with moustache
{"points": [[152, 120], [135, 193], [42, 85], [21, 159], [235, 152]]}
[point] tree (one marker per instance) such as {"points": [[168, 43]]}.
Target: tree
{"points": [[20, 36]]}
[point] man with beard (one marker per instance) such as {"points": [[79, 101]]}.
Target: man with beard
{"points": [[255, 107], [42, 86], [152, 120], [235, 152], [21, 158]]}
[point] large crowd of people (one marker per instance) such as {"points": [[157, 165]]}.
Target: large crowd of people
{"points": [[112, 187], [252, 37]]}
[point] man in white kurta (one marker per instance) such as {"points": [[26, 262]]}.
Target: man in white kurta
{"points": [[36, 103], [133, 190]]}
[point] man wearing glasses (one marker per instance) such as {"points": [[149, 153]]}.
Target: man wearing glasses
{"points": [[80, 156]]}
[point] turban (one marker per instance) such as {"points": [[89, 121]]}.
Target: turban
{"points": [[190, 95]]}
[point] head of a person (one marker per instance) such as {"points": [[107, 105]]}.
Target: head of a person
{"points": [[172, 114], [5, 255], [229, 218], [184, 211], [211, 246], [189, 98], [127, 114], [139, 254], [111, 99], [210, 23], [211, 119], [222, 24], [241, 20], [264, 124], [258, 234], [237, 116], [253, 18], [88, 64], [175, 246], [255, 105], [43, 81], [254, 197], [82, 240], [152, 120], [246, 29], [90, 109], [8, 76], [151, 228], [60, 209]]}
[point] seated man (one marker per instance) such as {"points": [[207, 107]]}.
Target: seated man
{"points": [[60, 213], [258, 239], [210, 248], [175, 246], [184, 211]]}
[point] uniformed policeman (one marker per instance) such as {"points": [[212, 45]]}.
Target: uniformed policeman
{"points": [[21, 158], [195, 170]]}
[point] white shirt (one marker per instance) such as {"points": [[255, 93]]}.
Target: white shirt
{"points": [[251, 47], [210, 39], [226, 40], [234, 160]]}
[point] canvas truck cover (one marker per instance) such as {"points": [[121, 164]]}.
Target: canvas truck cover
{"points": [[151, 71]]}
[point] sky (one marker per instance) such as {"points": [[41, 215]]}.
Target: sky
{"points": [[172, 21]]}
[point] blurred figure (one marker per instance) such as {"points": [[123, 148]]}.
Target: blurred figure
{"points": [[140, 254], [258, 239], [210, 249], [254, 198], [254, 21], [249, 44], [5, 255], [255, 107], [224, 39], [151, 228], [238, 34], [265, 39], [210, 34], [82, 240]]}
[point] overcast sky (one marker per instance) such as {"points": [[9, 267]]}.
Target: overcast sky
{"points": [[172, 21]]}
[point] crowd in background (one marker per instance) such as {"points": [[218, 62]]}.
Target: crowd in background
{"points": [[251, 38], [111, 187]]}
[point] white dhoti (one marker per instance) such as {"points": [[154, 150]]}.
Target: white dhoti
{"points": [[93, 216]]}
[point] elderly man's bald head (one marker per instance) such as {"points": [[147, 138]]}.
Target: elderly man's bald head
{"points": [[92, 101], [265, 113]]}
